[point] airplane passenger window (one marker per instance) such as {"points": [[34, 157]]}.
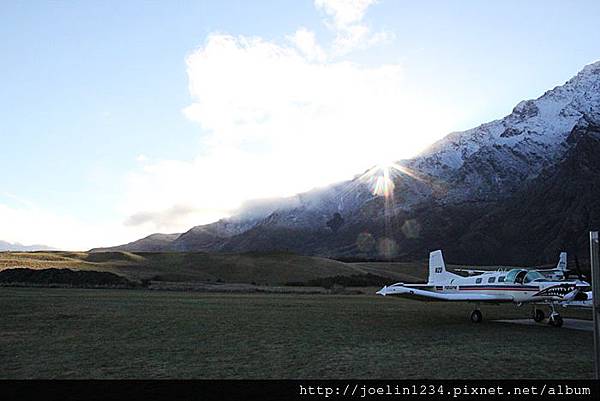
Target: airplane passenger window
{"points": [[491, 279], [478, 281], [501, 279]]}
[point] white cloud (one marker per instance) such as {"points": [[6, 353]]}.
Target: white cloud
{"points": [[344, 12], [172, 195], [345, 18], [278, 120], [306, 42], [28, 224], [164, 218]]}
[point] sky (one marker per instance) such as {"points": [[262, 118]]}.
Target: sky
{"points": [[121, 119]]}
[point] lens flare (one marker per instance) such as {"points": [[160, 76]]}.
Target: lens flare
{"points": [[384, 185], [384, 180], [381, 178]]}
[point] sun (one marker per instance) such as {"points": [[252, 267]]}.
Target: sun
{"points": [[384, 184], [382, 177]]}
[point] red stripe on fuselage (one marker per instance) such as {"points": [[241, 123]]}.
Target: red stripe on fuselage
{"points": [[479, 288]]}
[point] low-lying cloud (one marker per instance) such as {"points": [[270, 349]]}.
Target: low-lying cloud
{"points": [[168, 218]]}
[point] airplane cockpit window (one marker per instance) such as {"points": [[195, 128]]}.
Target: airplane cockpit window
{"points": [[501, 279], [510, 277], [520, 277], [534, 276]]}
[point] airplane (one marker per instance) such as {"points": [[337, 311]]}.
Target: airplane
{"points": [[560, 272], [519, 286]]}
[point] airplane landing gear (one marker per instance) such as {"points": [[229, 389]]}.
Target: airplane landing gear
{"points": [[538, 315], [555, 319], [476, 316]]}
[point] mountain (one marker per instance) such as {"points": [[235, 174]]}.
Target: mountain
{"points": [[495, 158], [152, 243], [552, 212], [15, 246], [556, 211], [514, 190]]}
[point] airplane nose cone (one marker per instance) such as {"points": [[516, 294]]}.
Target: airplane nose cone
{"points": [[382, 291]]}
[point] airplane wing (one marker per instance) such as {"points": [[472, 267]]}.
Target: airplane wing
{"points": [[577, 304], [551, 270], [471, 272], [428, 294]]}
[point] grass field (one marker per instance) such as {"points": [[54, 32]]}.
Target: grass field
{"points": [[264, 269], [77, 333], [271, 268]]}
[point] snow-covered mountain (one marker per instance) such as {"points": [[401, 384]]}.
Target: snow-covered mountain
{"points": [[17, 247], [495, 158], [479, 167]]}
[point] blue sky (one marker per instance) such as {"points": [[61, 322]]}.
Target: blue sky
{"points": [[119, 119]]}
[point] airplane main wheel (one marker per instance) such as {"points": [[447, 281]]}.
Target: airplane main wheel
{"points": [[476, 316], [555, 320], [538, 315]]}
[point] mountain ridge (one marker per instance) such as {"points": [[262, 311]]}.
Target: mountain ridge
{"points": [[6, 246]]}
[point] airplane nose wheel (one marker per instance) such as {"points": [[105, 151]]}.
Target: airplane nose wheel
{"points": [[538, 315], [476, 316], [555, 320]]}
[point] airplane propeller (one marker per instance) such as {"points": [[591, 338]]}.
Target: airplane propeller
{"points": [[571, 295]]}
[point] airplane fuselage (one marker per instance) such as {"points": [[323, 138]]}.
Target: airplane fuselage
{"points": [[525, 292], [517, 285]]}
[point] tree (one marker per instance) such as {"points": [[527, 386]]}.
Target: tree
{"points": [[336, 222]]}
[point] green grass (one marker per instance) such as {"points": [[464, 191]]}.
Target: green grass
{"points": [[265, 269], [269, 268], [76, 333], [410, 272]]}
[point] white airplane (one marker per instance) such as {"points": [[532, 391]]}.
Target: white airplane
{"points": [[558, 273], [519, 286]]}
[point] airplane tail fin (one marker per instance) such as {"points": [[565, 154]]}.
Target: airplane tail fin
{"points": [[562, 262], [437, 269]]}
